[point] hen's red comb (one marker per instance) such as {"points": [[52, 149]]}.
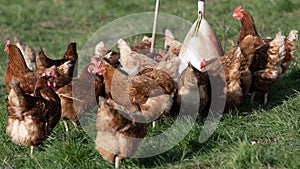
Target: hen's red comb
{"points": [[6, 49], [49, 72], [237, 9]]}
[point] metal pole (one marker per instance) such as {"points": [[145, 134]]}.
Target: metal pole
{"points": [[154, 27]]}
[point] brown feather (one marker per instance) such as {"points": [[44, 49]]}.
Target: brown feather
{"points": [[248, 26], [31, 119]]}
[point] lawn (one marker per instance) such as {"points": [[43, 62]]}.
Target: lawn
{"points": [[250, 136]]}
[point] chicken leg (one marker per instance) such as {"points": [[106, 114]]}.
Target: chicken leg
{"points": [[117, 162], [153, 124], [31, 150], [252, 97], [266, 98], [66, 125]]}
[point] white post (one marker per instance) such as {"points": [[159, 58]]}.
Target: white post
{"points": [[154, 27], [201, 7]]}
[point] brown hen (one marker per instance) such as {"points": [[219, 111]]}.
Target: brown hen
{"points": [[140, 92], [247, 21], [112, 57], [82, 92], [43, 62], [31, 119], [231, 62], [290, 45], [17, 69], [265, 78], [16, 66], [118, 137], [249, 45]]}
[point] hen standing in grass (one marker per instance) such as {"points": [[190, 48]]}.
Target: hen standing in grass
{"points": [[82, 92], [140, 92], [290, 45], [262, 56], [31, 119], [117, 137], [264, 79]]}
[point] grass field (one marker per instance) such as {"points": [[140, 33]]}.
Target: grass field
{"points": [[251, 136]]}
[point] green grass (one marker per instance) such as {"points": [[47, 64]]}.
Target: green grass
{"points": [[252, 136]]}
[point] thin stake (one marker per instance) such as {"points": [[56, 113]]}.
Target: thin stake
{"points": [[154, 27]]}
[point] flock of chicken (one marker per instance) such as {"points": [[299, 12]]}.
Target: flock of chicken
{"points": [[131, 87]]}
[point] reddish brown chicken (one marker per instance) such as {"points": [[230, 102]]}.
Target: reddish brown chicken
{"points": [[43, 62], [158, 102], [82, 92], [17, 69], [139, 90], [247, 21], [231, 62], [31, 119], [261, 60], [16, 66], [249, 45], [112, 57], [118, 137], [265, 78]]}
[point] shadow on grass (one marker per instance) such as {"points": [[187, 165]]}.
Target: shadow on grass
{"points": [[184, 151], [282, 90]]}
